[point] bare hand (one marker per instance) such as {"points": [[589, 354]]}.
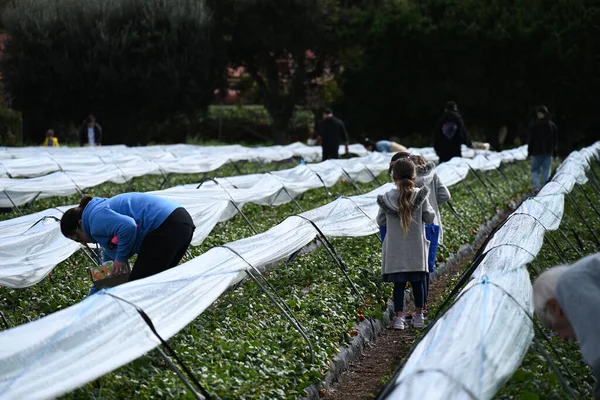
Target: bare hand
{"points": [[119, 268]]}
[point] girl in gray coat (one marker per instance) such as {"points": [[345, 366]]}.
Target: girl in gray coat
{"points": [[404, 211]]}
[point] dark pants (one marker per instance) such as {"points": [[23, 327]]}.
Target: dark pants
{"points": [[418, 293], [165, 246], [449, 154], [426, 290], [330, 153]]}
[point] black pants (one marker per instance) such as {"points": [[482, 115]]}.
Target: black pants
{"points": [[418, 293], [330, 153], [165, 246], [426, 289]]}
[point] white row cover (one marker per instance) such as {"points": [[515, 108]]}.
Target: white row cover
{"points": [[48, 172], [28, 254], [482, 339], [54, 355], [53, 172], [181, 158]]}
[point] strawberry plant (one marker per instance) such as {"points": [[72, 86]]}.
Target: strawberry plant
{"points": [[242, 347], [535, 379]]}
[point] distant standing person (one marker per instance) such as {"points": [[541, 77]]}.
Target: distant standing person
{"points": [[331, 130], [90, 132], [51, 140], [543, 135], [383, 146], [450, 133]]}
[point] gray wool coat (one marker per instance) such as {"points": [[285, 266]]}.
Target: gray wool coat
{"points": [[405, 253], [438, 192]]}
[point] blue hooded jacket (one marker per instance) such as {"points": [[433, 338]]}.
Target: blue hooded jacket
{"points": [[129, 217]]}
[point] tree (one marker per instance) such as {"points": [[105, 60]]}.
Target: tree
{"points": [[3, 5], [132, 63], [285, 45], [495, 58]]}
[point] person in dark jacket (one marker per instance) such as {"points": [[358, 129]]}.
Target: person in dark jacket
{"points": [[450, 133], [541, 146], [90, 132], [331, 130]]}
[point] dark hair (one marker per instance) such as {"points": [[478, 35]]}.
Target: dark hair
{"points": [[543, 110], [327, 111], [49, 133], [404, 173], [369, 143], [396, 157], [70, 219], [90, 118], [451, 106]]}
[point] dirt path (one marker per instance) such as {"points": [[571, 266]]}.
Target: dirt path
{"points": [[370, 372], [375, 366]]}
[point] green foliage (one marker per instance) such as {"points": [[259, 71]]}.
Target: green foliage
{"points": [[242, 347], [285, 46], [496, 59], [256, 114], [11, 126], [232, 124], [535, 376], [133, 63], [3, 5]]}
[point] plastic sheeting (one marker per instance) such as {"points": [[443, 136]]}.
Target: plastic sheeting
{"points": [[27, 256], [47, 172], [66, 171], [482, 339], [53, 355], [35, 161]]}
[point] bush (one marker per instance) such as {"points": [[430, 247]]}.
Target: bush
{"points": [[247, 124], [133, 63], [416, 55], [11, 126]]}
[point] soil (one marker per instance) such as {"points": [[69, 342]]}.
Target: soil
{"points": [[366, 376], [379, 360]]}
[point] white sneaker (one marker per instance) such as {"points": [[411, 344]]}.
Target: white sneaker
{"points": [[400, 323], [418, 321]]}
